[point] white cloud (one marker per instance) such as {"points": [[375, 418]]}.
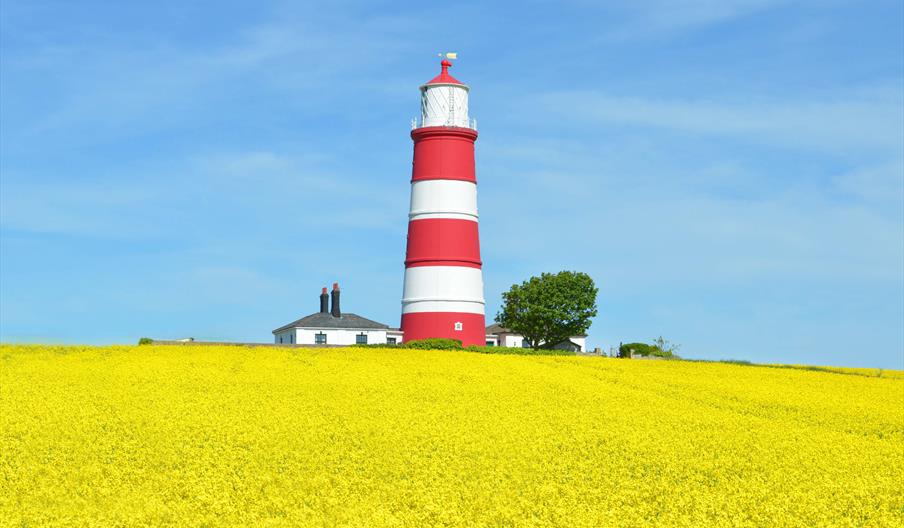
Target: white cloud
{"points": [[878, 185], [659, 18], [643, 215], [102, 209], [140, 85], [184, 196], [853, 122]]}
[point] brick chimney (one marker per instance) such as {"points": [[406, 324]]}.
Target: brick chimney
{"points": [[335, 297], [324, 301]]}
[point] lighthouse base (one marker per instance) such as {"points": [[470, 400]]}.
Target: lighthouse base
{"points": [[469, 328]]}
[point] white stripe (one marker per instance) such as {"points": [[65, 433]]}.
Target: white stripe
{"points": [[443, 199], [443, 289], [443, 306], [444, 214]]}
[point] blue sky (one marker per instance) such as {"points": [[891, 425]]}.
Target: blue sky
{"points": [[728, 171]]}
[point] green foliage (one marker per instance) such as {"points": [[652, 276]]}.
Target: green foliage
{"points": [[666, 349], [550, 308], [434, 343], [865, 372], [145, 341], [518, 351], [637, 349], [661, 348], [455, 344]]}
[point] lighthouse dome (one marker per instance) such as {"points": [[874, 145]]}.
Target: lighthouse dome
{"points": [[444, 101]]}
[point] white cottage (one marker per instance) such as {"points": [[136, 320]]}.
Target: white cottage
{"points": [[330, 326], [499, 336]]}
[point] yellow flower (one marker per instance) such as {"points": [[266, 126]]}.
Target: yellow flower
{"points": [[235, 436]]}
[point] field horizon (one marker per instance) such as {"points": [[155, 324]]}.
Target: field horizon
{"points": [[229, 435], [824, 367]]}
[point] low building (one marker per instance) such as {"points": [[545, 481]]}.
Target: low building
{"points": [[497, 335], [330, 326]]}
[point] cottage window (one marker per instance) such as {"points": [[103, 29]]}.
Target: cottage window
{"points": [[320, 339], [390, 340], [361, 339]]}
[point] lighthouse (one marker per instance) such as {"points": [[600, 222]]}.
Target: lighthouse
{"points": [[443, 288]]}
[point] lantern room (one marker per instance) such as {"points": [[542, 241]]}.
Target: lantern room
{"points": [[444, 102]]}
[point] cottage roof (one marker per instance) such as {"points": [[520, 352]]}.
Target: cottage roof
{"points": [[495, 328], [326, 320]]}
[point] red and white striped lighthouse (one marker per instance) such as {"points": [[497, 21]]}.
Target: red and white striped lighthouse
{"points": [[443, 292]]}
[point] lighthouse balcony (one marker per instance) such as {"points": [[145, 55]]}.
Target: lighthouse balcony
{"points": [[470, 123]]}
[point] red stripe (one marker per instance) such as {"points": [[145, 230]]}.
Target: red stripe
{"points": [[443, 242], [443, 153], [460, 263], [442, 324]]}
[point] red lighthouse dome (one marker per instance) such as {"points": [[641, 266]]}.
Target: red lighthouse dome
{"points": [[444, 77], [443, 291]]}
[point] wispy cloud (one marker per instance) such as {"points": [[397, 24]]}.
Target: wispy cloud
{"points": [[79, 208], [157, 199], [142, 85], [858, 121], [664, 18], [647, 209], [879, 185]]}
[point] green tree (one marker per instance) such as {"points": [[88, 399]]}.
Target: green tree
{"points": [[666, 348], [549, 309], [660, 348], [626, 350]]}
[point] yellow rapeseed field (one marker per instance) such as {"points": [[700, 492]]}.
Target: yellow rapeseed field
{"points": [[233, 436]]}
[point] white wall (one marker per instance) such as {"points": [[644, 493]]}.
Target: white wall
{"points": [[511, 340], [335, 336], [305, 336], [581, 341], [397, 334], [517, 341]]}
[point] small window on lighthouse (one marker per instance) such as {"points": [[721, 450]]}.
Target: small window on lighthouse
{"points": [[458, 326]]}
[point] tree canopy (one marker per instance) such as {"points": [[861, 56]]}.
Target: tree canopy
{"points": [[549, 309], [660, 348]]}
